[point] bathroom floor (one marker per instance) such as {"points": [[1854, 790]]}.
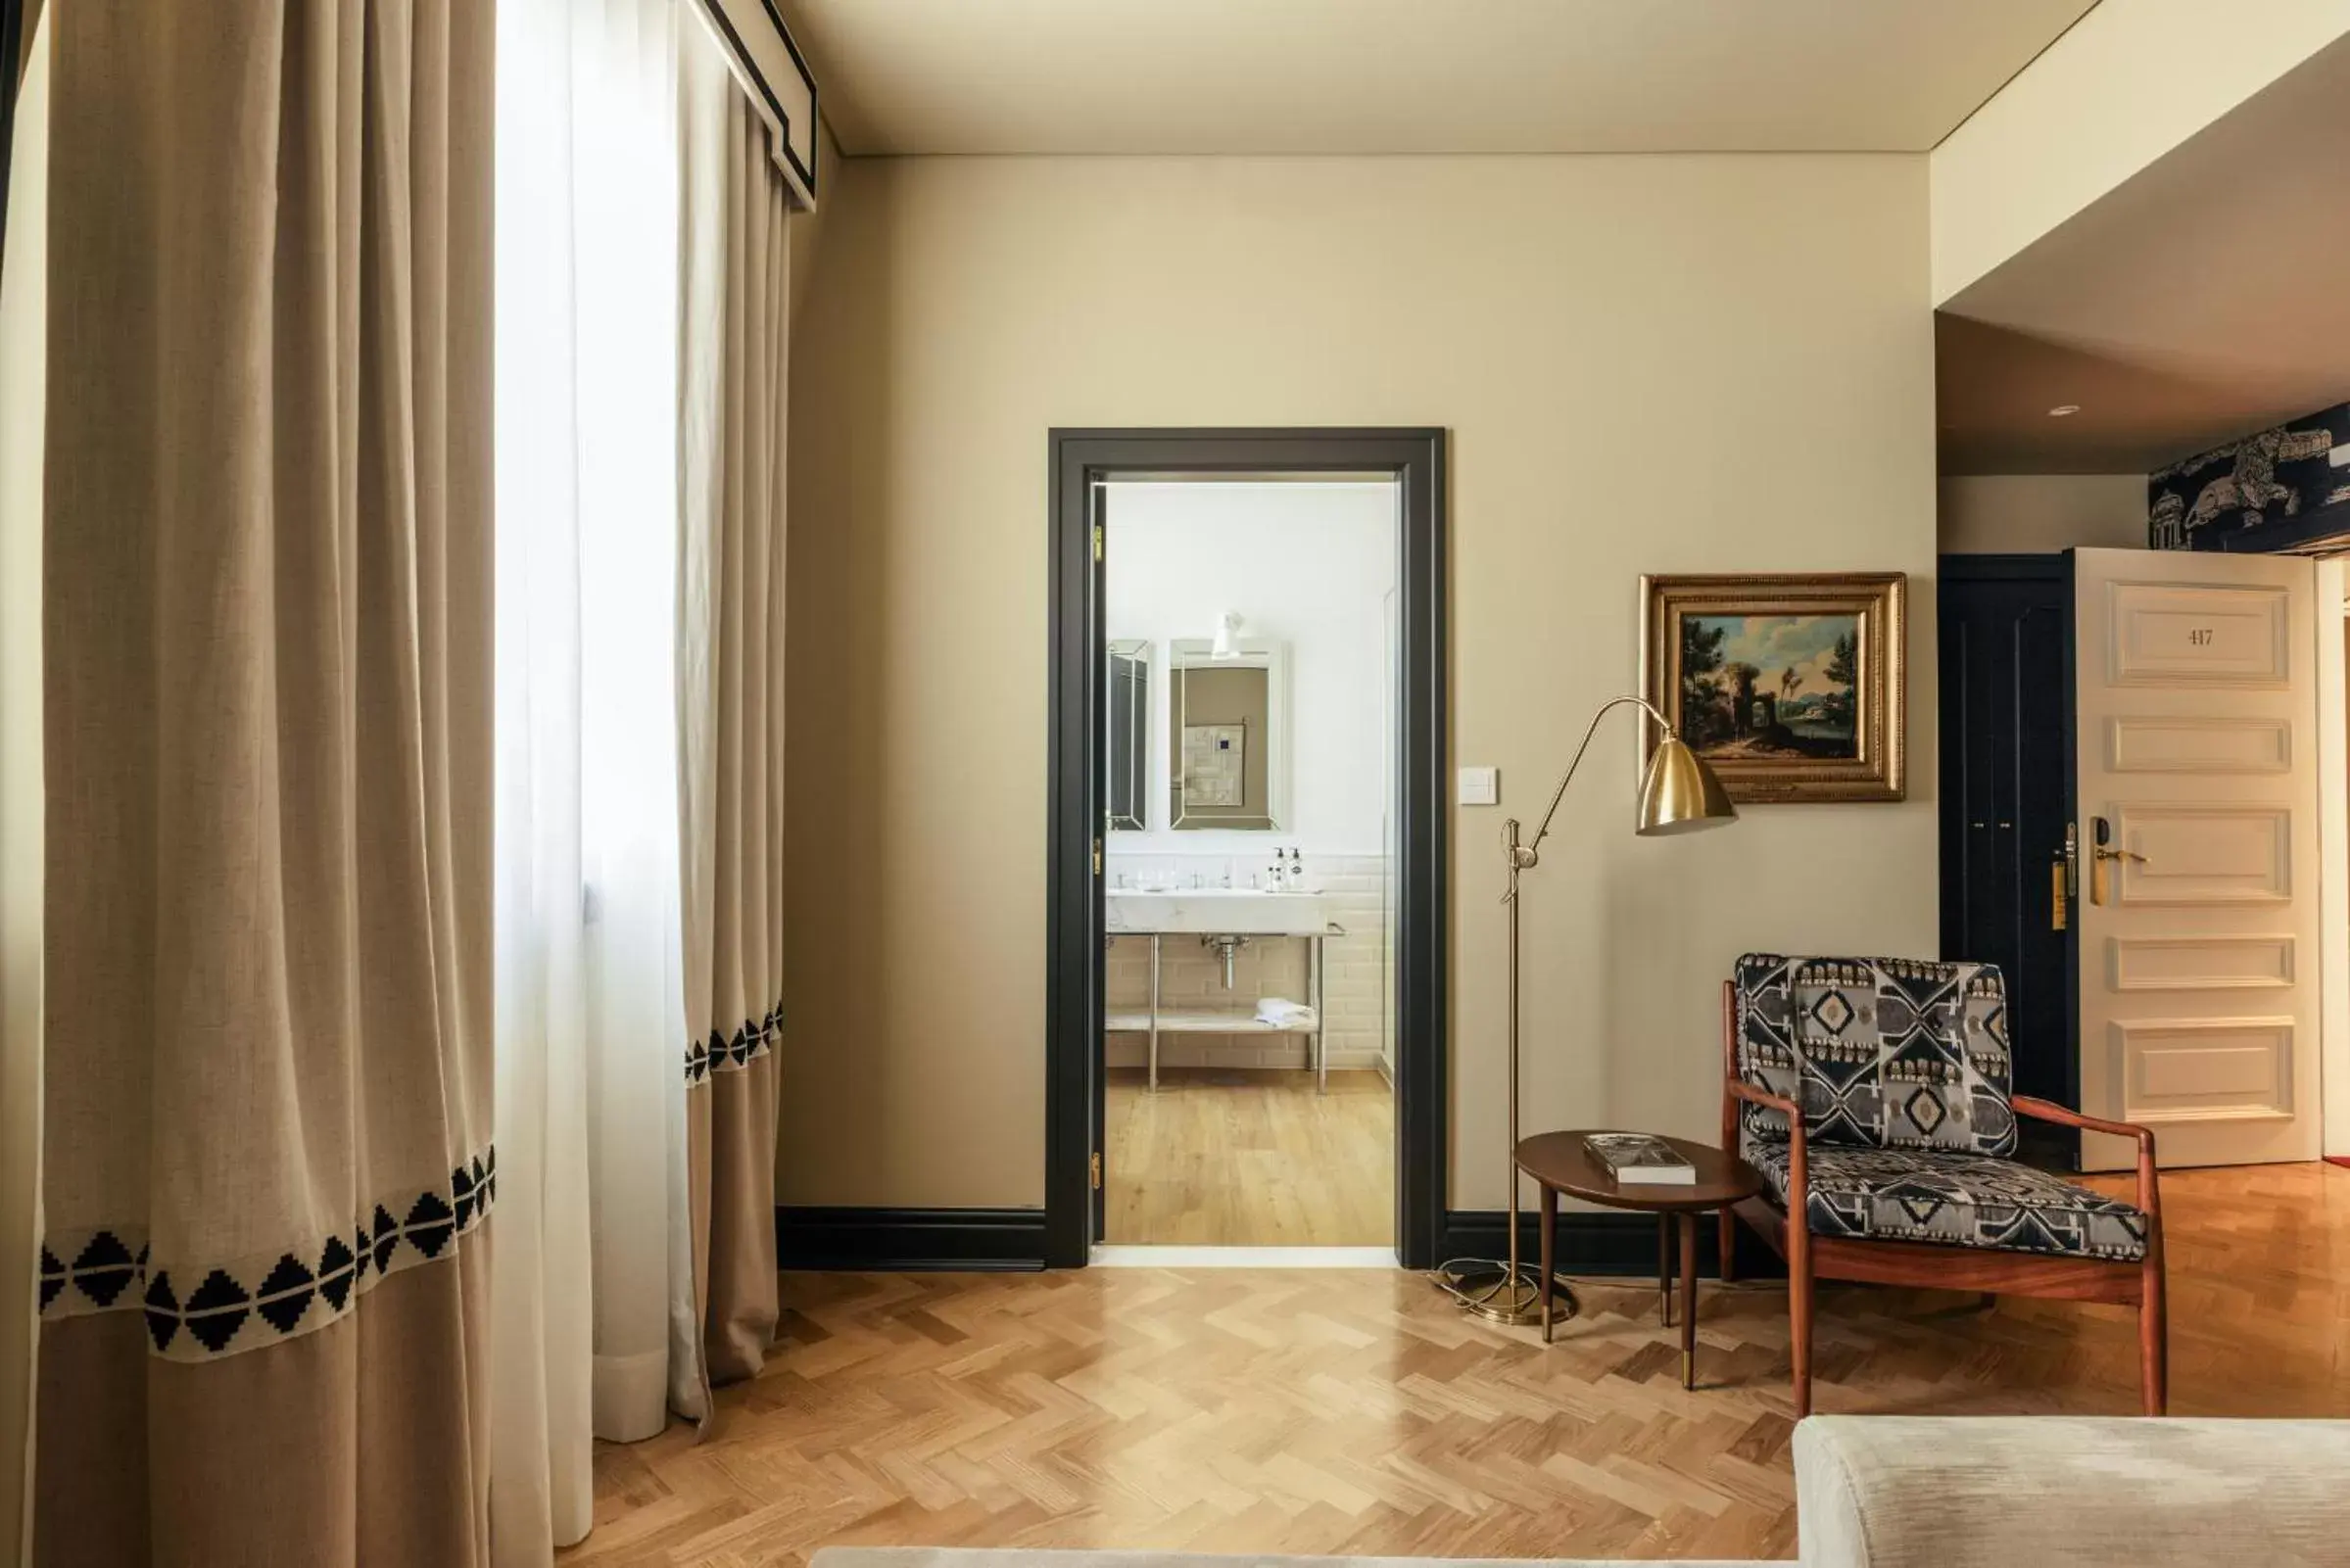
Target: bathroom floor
{"points": [[1226, 1157]]}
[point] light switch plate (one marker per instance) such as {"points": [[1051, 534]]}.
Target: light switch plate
{"points": [[1480, 786]]}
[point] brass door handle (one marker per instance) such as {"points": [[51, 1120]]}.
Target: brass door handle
{"points": [[2101, 856]]}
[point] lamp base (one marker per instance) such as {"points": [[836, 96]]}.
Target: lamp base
{"points": [[1501, 1293]]}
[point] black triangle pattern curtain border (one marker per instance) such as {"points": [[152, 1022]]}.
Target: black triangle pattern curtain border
{"points": [[198, 1311], [719, 1053]]}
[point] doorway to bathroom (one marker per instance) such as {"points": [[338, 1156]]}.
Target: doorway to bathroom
{"points": [[1245, 1004]]}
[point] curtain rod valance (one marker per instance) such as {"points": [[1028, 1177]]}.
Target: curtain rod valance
{"points": [[777, 78]]}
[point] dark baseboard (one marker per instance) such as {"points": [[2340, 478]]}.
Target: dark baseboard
{"points": [[998, 1240], [1607, 1242], [910, 1240]]}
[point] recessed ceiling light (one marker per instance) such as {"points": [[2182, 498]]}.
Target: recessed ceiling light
{"points": [[2063, 411]]}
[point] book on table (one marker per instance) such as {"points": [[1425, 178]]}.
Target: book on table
{"points": [[1636, 1158]]}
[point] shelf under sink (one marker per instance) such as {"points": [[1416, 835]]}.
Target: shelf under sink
{"points": [[1200, 1021]]}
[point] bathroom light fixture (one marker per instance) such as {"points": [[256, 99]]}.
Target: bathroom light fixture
{"points": [[2063, 411], [1228, 637]]}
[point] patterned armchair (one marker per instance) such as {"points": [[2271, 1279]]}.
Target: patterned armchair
{"points": [[1872, 1094]]}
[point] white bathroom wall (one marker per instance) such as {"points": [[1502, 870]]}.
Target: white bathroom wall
{"points": [[1308, 565]]}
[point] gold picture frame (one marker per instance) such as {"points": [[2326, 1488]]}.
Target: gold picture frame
{"points": [[1790, 684]]}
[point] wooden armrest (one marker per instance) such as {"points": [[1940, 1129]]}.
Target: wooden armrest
{"points": [[1740, 1089], [2149, 1188], [2047, 1111], [1799, 1172]]}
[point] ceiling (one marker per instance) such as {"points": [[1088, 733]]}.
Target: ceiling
{"points": [[1411, 75], [2202, 300]]}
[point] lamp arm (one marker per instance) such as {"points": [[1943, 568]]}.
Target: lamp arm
{"points": [[1528, 854]]}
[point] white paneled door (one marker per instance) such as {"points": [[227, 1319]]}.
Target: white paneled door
{"points": [[2196, 705]]}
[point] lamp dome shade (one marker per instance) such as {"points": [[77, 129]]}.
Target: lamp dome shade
{"points": [[1681, 794]]}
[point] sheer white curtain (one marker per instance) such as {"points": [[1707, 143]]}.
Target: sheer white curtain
{"points": [[591, 1253], [23, 359]]}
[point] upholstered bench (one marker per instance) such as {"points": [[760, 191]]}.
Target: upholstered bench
{"points": [[1956, 1492]]}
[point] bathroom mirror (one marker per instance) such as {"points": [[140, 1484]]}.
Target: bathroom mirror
{"points": [[1127, 753], [1227, 736]]}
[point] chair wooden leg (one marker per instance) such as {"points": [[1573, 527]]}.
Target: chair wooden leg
{"points": [[1549, 1250], [1798, 1316], [1729, 1241], [1689, 1301], [2154, 1338], [1664, 1267]]}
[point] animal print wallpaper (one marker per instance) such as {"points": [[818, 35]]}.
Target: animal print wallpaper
{"points": [[2291, 472]]}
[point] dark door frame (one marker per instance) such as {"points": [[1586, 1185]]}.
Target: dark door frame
{"points": [[12, 50], [1079, 461]]}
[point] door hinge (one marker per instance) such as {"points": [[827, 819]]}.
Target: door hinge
{"points": [[1096, 1165], [1097, 857], [1097, 542]]}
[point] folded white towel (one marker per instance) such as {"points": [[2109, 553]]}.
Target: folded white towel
{"points": [[1284, 1015]]}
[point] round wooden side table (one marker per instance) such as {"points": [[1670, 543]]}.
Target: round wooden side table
{"points": [[1558, 1163]]}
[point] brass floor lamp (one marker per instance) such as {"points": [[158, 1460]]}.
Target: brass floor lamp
{"points": [[1678, 794]]}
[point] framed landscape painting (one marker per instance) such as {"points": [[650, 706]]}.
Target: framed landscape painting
{"points": [[1788, 686]]}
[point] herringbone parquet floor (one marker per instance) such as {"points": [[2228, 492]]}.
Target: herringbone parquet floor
{"points": [[1326, 1411]]}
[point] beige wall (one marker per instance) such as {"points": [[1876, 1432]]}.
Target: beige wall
{"points": [[807, 228], [2129, 81], [1988, 513], [1649, 363]]}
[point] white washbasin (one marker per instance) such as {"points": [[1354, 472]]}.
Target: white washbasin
{"points": [[1216, 912]]}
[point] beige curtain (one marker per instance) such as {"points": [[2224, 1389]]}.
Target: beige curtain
{"points": [[267, 626], [730, 625]]}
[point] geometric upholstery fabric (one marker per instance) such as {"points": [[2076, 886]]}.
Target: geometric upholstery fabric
{"points": [[1961, 1200], [1879, 1053]]}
